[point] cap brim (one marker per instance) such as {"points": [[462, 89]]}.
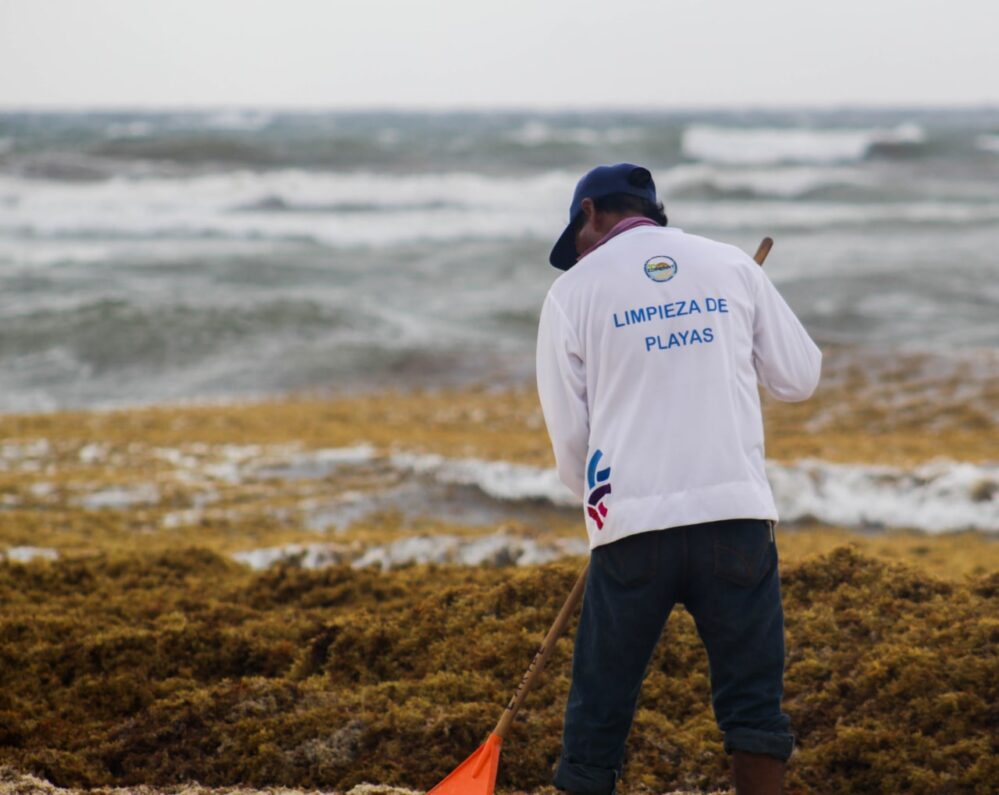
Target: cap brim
{"points": [[564, 254]]}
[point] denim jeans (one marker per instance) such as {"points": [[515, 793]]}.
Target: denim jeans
{"points": [[725, 574]]}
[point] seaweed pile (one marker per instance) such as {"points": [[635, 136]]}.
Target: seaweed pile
{"points": [[175, 666]]}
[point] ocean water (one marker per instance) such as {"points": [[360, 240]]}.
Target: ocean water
{"points": [[152, 257]]}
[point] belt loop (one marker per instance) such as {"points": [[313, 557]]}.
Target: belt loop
{"points": [[772, 539]]}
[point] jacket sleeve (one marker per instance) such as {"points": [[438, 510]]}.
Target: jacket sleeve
{"points": [[788, 363], [562, 390]]}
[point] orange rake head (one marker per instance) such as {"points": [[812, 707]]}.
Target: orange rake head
{"points": [[477, 774]]}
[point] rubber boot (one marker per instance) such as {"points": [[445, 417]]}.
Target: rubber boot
{"points": [[757, 774]]}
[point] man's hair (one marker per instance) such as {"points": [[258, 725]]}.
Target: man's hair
{"points": [[626, 203]]}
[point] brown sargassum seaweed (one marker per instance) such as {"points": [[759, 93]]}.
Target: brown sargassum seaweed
{"points": [[178, 666]]}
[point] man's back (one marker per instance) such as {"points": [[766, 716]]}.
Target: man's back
{"points": [[650, 350], [649, 353]]}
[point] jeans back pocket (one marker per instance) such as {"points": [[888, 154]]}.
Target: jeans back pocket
{"points": [[744, 550], [629, 561]]}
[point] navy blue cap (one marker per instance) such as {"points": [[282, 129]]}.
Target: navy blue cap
{"points": [[601, 181]]}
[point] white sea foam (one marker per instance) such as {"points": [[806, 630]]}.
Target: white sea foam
{"points": [[42, 489], [499, 479], [538, 133], [768, 146], [234, 463], [26, 554], [289, 205], [341, 512], [228, 463], [733, 215], [193, 515], [20, 451], [940, 496], [988, 143], [315, 463], [785, 182], [93, 452], [129, 129], [237, 120], [120, 218], [498, 549], [308, 556], [121, 497], [181, 518]]}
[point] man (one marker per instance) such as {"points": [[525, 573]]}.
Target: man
{"points": [[650, 348]]}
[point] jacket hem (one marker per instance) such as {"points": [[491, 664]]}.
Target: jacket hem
{"points": [[631, 515]]}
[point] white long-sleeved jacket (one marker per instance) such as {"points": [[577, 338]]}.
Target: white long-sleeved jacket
{"points": [[649, 353]]}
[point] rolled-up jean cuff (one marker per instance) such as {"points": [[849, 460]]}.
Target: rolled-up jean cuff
{"points": [[754, 741], [575, 777]]}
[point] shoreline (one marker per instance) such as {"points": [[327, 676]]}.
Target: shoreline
{"points": [[873, 389], [872, 406], [450, 476]]}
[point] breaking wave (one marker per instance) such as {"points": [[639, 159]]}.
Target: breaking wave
{"points": [[988, 143], [941, 496], [499, 479], [706, 181], [145, 256], [771, 146], [377, 210], [496, 549], [538, 133]]}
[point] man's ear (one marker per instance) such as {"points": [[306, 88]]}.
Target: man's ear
{"points": [[588, 208]]}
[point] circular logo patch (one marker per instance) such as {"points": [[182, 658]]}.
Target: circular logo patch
{"points": [[660, 269]]}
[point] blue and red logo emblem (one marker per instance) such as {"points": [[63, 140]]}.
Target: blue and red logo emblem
{"points": [[599, 484]]}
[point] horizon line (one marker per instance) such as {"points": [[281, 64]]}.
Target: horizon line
{"points": [[457, 108]]}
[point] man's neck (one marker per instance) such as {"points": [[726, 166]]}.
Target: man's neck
{"points": [[610, 221], [624, 223]]}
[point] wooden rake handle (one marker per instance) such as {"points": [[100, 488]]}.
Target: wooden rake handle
{"points": [[575, 595], [763, 249], [541, 656]]}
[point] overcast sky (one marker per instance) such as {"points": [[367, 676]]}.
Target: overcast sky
{"points": [[545, 54]]}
